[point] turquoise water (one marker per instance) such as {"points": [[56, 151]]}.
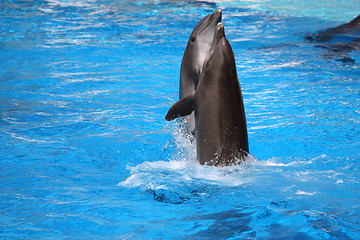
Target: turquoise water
{"points": [[86, 153]]}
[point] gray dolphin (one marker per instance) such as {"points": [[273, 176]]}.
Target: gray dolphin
{"points": [[345, 30], [195, 53], [221, 133], [339, 40]]}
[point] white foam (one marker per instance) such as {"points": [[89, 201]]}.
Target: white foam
{"points": [[181, 174], [161, 174], [299, 192], [272, 162], [184, 169]]}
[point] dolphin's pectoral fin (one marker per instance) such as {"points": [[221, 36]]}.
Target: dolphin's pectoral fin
{"points": [[183, 107]]}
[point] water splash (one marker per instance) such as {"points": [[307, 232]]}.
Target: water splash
{"points": [[180, 177]]}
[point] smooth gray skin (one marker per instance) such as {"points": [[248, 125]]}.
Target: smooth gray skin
{"points": [[221, 133], [195, 53], [344, 29]]}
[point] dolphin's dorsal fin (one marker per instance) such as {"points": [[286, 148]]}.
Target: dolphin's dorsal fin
{"points": [[183, 107], [355, 21]]}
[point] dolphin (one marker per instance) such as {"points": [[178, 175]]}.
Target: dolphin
{"points": [[345, 30], [221, 133], [339, 40], [196, 51]]}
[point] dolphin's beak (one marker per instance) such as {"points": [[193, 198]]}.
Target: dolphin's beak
{"points": [[219, 26], [214, 19], [217, 15]]}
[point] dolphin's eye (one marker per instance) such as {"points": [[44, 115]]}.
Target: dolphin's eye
{"points": [[193, 38]]}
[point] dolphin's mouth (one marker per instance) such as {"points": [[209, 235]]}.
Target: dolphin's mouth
{"points": [[214, 19]]}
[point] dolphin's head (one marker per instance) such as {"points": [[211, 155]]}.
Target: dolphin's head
{"points": [[205, 29], [220, 58], [201, 39]]}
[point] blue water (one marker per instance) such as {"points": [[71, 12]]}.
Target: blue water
{"points": [[86, 153]]}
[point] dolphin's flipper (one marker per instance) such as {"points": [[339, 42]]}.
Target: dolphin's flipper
{"points": [[183, 107]]}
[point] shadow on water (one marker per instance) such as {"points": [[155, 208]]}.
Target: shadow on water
{"points": [[243, 223], [275, 221], [223, 225]]}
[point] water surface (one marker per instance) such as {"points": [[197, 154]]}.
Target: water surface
{"points": [[86, 152]]}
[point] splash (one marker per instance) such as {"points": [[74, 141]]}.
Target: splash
{"points": [[181, 177]]}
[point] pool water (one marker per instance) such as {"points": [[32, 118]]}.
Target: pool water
{"points": [[86, 152]]}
